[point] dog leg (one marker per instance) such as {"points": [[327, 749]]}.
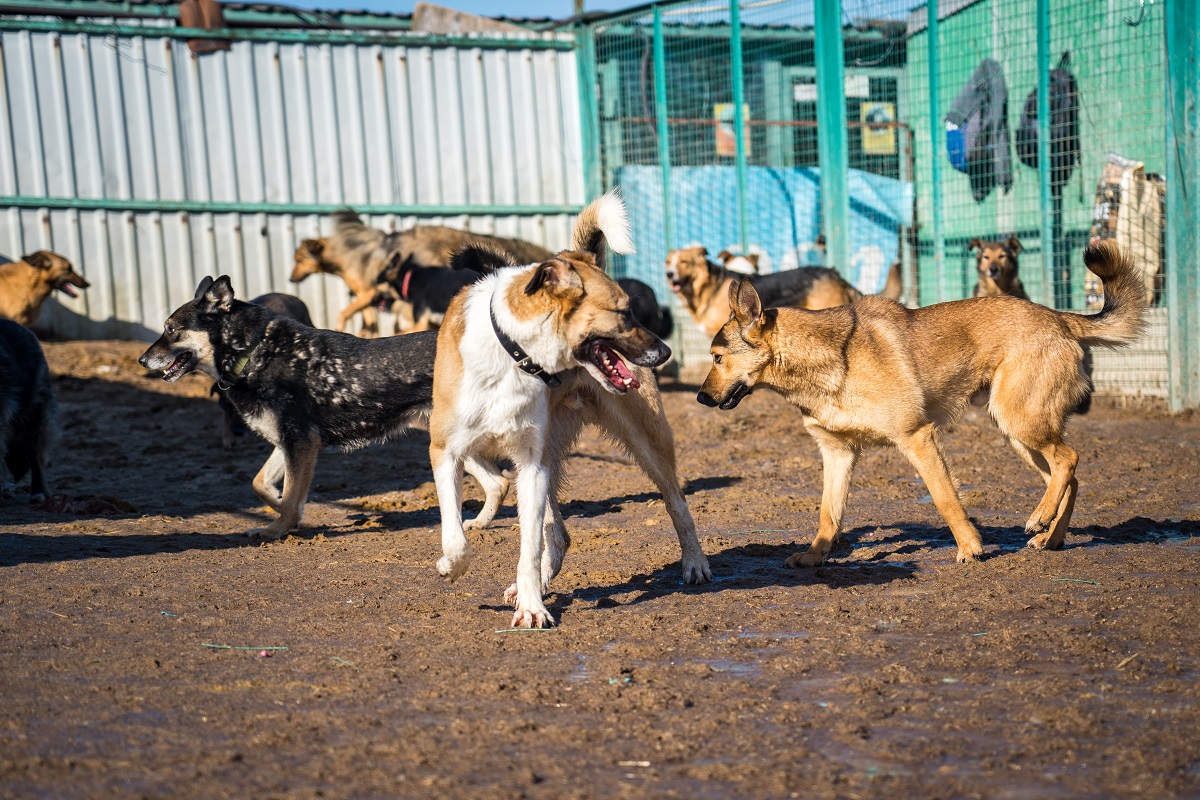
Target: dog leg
{"points": [[1052, 533], [923, 451], [495, 489], [267, 481], [37, 480], [638, 422], [838, 465], [364, 304], [532, 492], [227, 438], [447, 478], [299, 461]]}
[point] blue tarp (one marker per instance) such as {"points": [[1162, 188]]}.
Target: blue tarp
{"points": [[784, 206]]}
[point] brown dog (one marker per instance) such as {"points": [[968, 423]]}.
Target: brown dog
{"points": [[703, 286], [25, 284], [876, 373], [996, 265]]}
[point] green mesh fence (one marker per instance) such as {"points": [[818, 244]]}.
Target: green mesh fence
{"points": [[670, 79]]}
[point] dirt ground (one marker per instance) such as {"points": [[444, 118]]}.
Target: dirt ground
{"points": [[147, 650]]}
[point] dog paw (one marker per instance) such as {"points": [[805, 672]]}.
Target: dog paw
{"points": [[806, 559], [1043, 541], [696, 570], [537, 617], [966, 556], [475, 524], [271, 533], [1036, 525], [453, 569], [510, 595]]}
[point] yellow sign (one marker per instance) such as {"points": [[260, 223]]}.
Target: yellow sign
{"points": [[878, 139], [726, 144]]}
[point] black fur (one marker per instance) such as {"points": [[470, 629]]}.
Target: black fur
{"points": [[646, 310], [26, 405], [429, 289], [790, 287], [482, 258]]}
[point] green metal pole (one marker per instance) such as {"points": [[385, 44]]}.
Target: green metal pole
{"points": [[735, 54], [664, 134], [935, 149], [831, 132], [589, 110], [1183, 202], [1045, 205]]}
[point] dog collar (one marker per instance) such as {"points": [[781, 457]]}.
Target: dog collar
{"points": [[228, 379], [524, 362], [404, 285]]}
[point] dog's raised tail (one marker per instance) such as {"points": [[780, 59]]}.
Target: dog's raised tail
{"points": [[603, 221], [1123, 315]]}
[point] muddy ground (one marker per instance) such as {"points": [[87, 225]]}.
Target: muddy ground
{"points": [[890, 672]]}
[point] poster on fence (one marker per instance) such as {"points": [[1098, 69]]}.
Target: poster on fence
{"points": [[878, 140], [726, 144]]}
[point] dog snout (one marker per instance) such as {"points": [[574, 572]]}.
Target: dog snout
{"points": [[142, 360], [705, 399], [654, 356], [993, 272]]}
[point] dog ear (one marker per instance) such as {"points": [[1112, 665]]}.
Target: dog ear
{"points": [[203, 287], [218, 295], [314, 246], [481, 258], [39, 260], [555, 276], [745, 302], [971, 245], [1014, 244], [724, 256], [392, 271]]}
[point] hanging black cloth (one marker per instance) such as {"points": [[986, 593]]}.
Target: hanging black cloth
{"points": [[977, 131]]}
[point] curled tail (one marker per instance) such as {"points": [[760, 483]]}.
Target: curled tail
{"points": [[604, 220], [1122, 318]]}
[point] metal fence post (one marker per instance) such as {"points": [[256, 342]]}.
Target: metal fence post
{"points": [[735, 55], [1183, 202], [1043, 150], [663, 127], [935, 145], [589, 110], [832, 150]]}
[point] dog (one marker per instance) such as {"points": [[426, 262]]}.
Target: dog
{"points": [[646, 310], [25, 284], [703, 287], [27, 407], [875, 373], [358, 254], [996, 268], [428, 290], [525, 356], [302, 388], [232, 427]]}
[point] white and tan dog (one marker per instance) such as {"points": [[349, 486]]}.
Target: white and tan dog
{"points": [[505, 343]]}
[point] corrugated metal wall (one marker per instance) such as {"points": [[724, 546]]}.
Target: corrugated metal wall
{"points": [[190, 165]]}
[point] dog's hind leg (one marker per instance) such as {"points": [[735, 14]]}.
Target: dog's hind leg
{"points": [[269, 479], [299, 461], [495, 488], [447, 478], [922, 449], [638, 422], [1053, 538], [839, 460]]}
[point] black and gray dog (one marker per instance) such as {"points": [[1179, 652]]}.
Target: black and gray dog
{"points": [[284, 305], [26, 406], [302, 388], [646, 310]]}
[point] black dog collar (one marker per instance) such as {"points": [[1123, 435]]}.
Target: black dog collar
{"points": [[524, 362]]}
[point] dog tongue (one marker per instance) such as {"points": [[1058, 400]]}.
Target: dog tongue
{"points": [[616, 370], [68, 291]]}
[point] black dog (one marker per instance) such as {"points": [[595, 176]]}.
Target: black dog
{"points": [[428, 289], [284, 305], [646, 310], [301, 388], [26, 406]]}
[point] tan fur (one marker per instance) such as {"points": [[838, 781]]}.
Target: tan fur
{"points": [[996, 268], [876, 373], [703, 287], [25, 284]]}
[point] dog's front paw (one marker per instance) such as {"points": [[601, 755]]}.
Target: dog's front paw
{"points": [[696, 569], [510, 595], [453, 570], [967, 555], [1042, 542], [809, 558], [476, 524], [272, 533], [534, 617]]}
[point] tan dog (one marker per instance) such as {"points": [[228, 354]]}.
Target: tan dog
{"points": [[525, 356], [25, 284], [996, 265], [704, 287], [876, 373]]}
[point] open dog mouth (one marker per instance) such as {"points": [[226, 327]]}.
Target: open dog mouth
{"points": [[183, 364], [609, 362], [676, 284], [65, 288]]}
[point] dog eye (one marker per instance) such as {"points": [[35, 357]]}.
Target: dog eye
{"points": [[717, 358]]}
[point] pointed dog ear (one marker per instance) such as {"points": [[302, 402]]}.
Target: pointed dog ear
{"points": [[38, 260], [1014, 244], [745, 302], [555, 276], [392, 271], [314, 246], [217, 295], [974, 243], [724, 256], [481, 258]]}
